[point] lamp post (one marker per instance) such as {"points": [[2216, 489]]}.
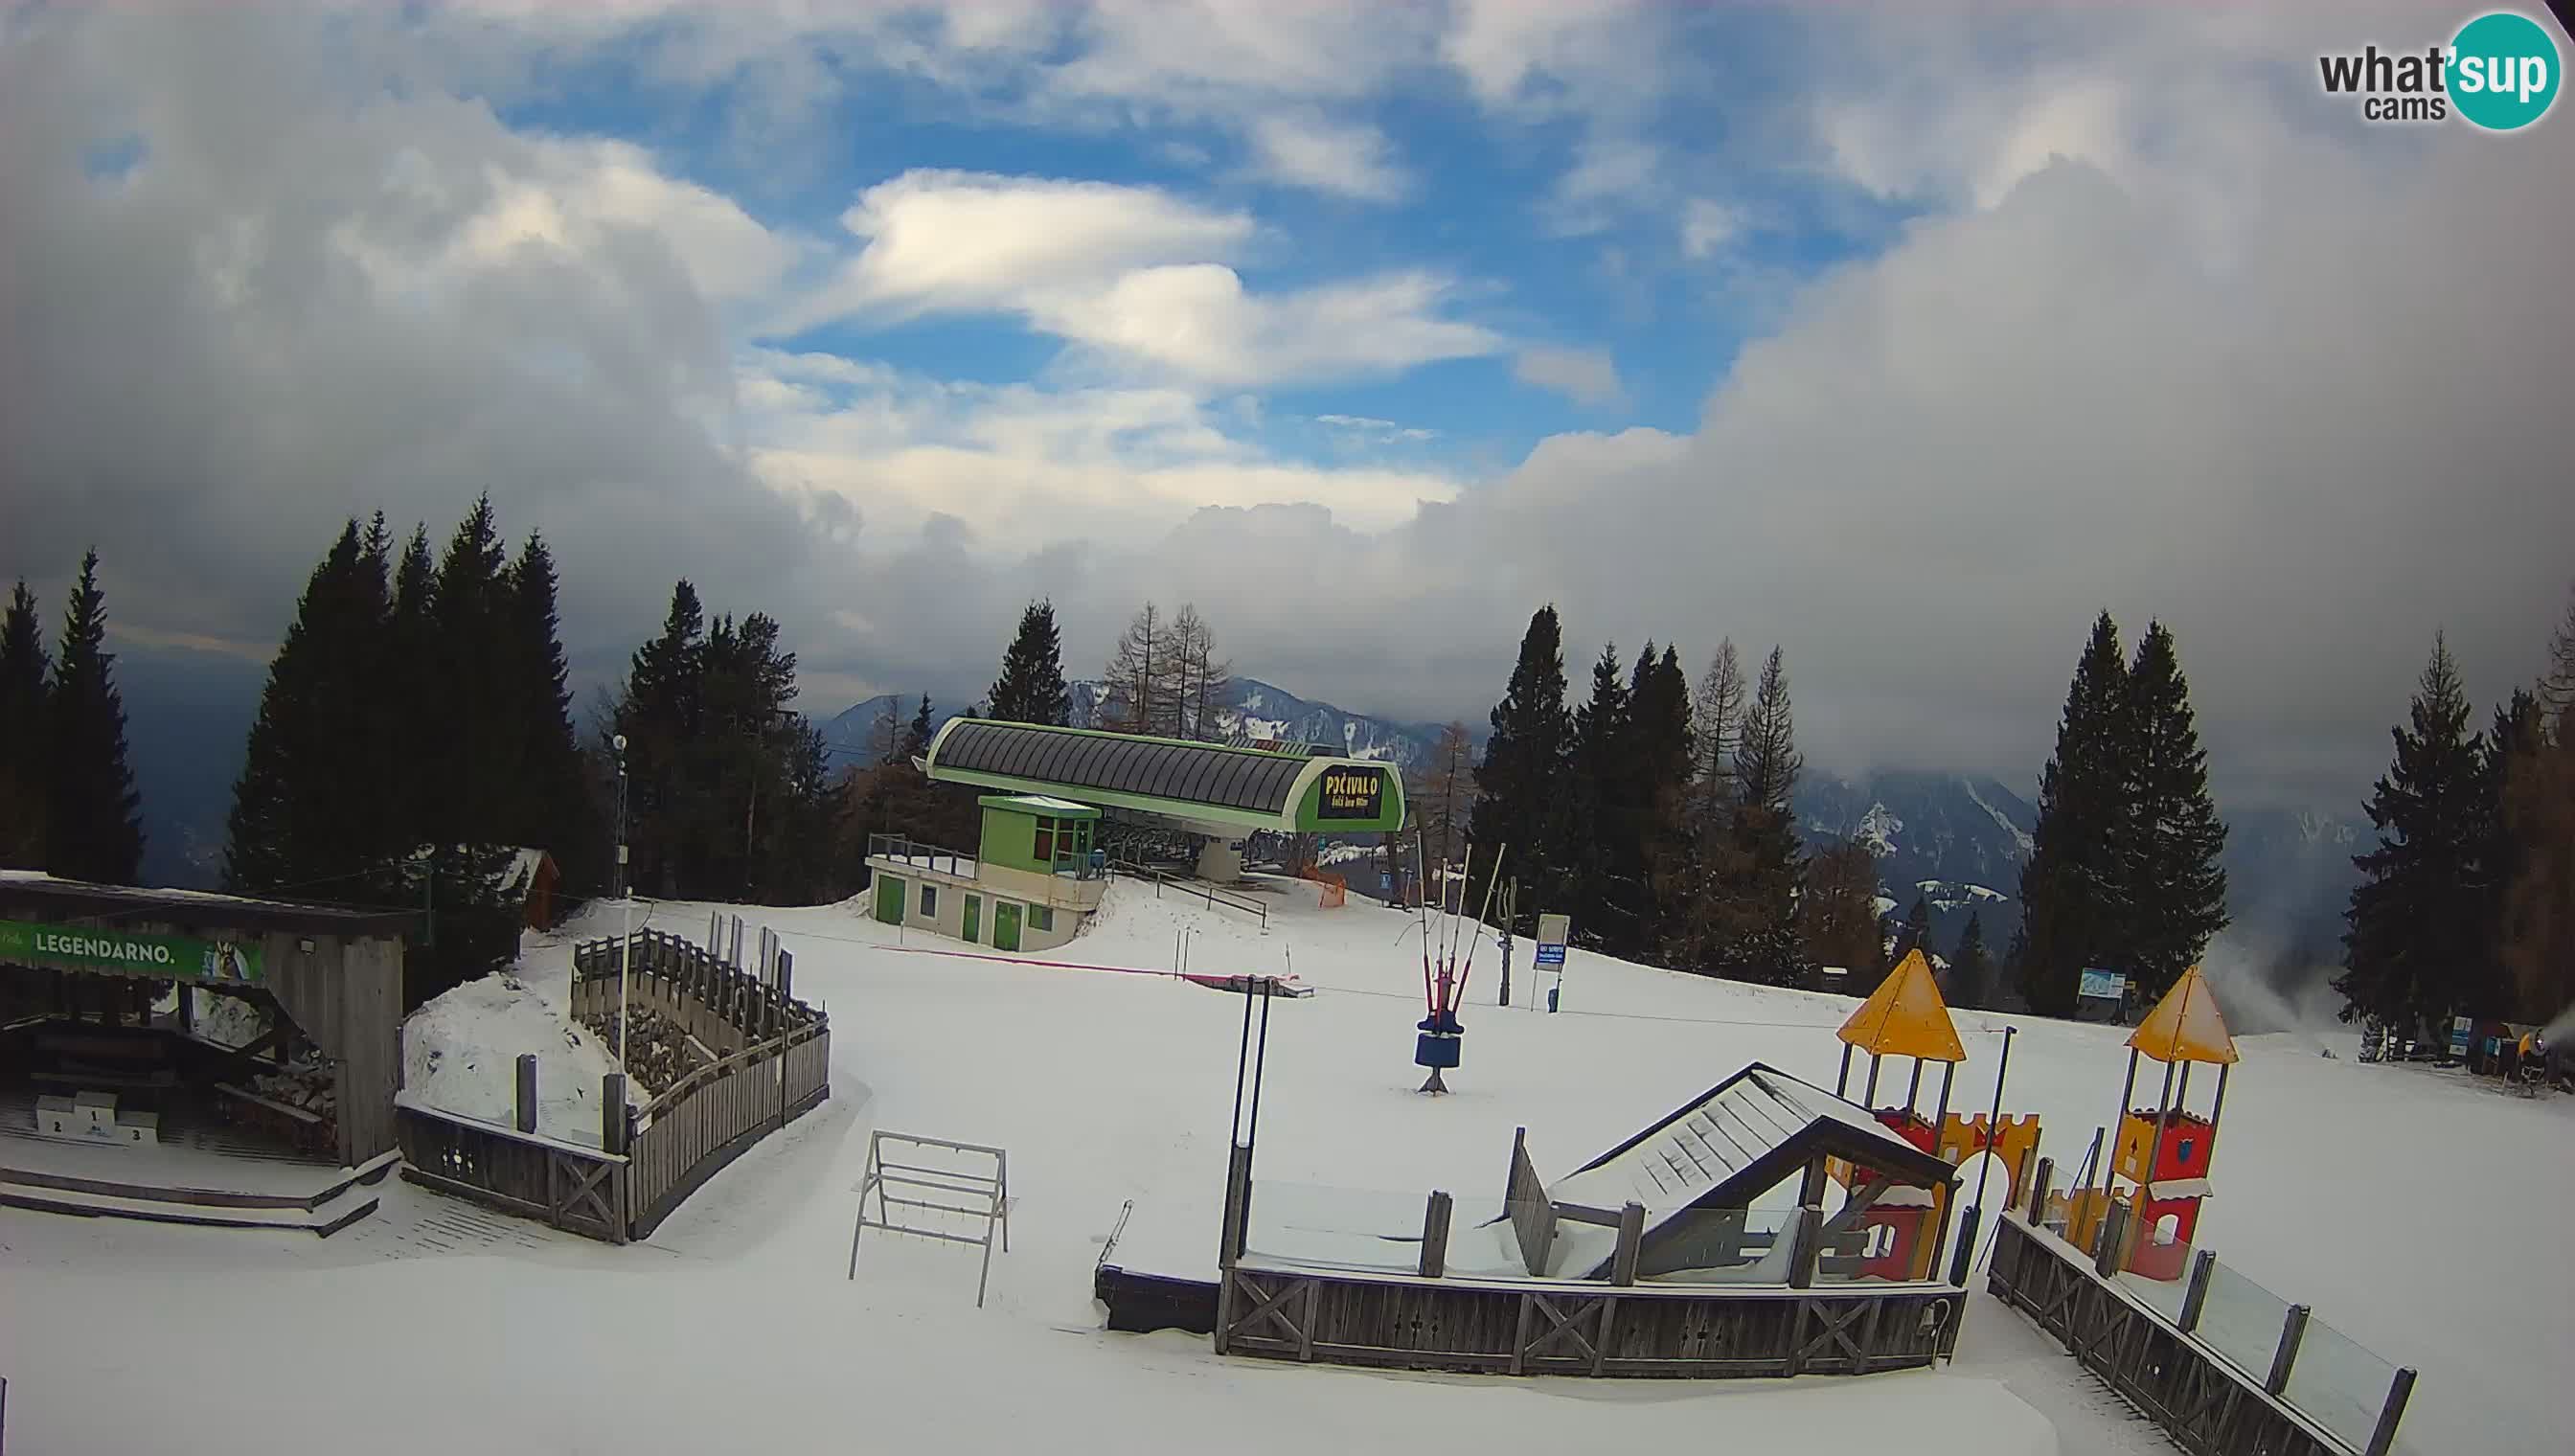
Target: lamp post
{"points": [[626, 908]]}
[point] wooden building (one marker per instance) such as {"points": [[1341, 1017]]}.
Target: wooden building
{"points": [[85, 970]]}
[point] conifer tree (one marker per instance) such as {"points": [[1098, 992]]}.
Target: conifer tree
{"points": [[658, 712], [25, 746], [1662, 756], [2070, 885], [1601, 827], [299, 819], [2003, 989], [1970, 973], [2537, 775], [552, 807], [2172, 891], [916, 739], [1914, 931], [412, 709], [2416, 950], [480, 771], [1522, 783], [94, 827], [1032, 688]]}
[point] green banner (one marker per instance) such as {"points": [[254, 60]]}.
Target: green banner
{"points": [[130, 952]]}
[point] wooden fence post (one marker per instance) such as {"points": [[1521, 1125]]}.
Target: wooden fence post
{"points": [[1632, 1244], [527, 1108], [2401, 1389], [2204, 1266], [1434, 1235], [2292, 1330], [2114, 1233], [612, 1112]]}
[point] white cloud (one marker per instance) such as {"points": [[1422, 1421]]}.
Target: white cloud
{"points": [[1021, 464], [1588, 376], [1610, 177], [974, 241], [1710, 227], [1350, 160], [1368, 428], [1127, 276], [1603, 57]]}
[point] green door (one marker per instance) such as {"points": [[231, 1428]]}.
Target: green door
{"points": [[975, 916], [888, 900], [1005, 925]]}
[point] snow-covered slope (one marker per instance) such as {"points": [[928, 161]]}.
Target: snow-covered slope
{"points": [[2365, 1190]]}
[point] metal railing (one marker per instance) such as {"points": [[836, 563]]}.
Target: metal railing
{"points": [[926, 856], [1197, 889]]}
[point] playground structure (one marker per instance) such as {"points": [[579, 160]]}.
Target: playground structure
{"points": [[1904, 1226], [2157, 1170]]}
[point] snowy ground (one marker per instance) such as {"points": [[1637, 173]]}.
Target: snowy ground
{"points": [[2417, 1213]]}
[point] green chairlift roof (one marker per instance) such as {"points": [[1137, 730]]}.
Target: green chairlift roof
{"points": [[1216, 786]]}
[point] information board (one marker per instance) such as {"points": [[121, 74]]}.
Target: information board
{"points": [[1551, 932]]}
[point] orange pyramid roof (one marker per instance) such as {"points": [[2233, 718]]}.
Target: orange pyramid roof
{"points": [[2184, 1025], [1905, 1016]]}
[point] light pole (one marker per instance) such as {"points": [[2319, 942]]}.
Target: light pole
{"points": [[625, 908]]}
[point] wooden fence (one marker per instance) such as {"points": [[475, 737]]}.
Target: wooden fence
{"points": [[764, 1059]]}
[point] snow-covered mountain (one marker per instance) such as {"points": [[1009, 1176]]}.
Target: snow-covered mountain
{"points": [[1960, 842]]}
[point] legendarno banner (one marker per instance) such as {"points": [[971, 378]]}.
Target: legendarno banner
{"points": [[130, 952]]}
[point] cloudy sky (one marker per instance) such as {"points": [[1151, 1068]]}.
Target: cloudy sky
{"points": [[1904, 338]]}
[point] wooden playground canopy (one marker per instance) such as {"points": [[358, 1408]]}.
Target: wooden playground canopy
{"points": [[336, 973]]}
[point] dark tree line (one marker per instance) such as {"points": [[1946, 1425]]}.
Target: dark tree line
{"points": [[730, 791], [2468, 898], [1660, 823], [415, 729], [67, 800], [2123, 871]]}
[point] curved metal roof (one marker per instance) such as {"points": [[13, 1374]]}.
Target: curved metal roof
{"points": [[1203, 774]]}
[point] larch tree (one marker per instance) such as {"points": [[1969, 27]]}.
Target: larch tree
{"points": [[94, 827], [1133, 683], [1837, 914], [1760, 883]]}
